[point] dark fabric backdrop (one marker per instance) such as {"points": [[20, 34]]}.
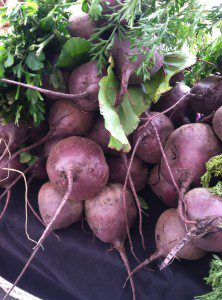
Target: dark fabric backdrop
{"points": [[80, 268]]}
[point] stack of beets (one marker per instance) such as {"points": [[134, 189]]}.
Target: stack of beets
{"points": [[85, 176]]}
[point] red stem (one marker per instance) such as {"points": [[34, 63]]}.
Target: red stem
{"points": [[124, 157], [46, 232], [46, 92], [6, 204], [121, 249]]}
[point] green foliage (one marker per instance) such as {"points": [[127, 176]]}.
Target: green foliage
{"points": [[214, 279], [169, 24], [124, 120], [173, 63], [214, 171], [74, 53], [36, 25]]}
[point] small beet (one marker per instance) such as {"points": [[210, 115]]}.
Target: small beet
{"points": [[49, 199], [148, 149], [217, 123], [207, 95], [139, 172], [183, 113], [164, 190]]}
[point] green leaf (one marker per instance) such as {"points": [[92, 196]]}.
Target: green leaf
{"points": [[174, 62], [10, 61], [2, 70], [25, 157], [143, 203], [34, 62], [95, 10], [124, 120], [74, 53]]}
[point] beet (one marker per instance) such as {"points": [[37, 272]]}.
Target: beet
{"points": [[178, 77], [208, 95], [49, 199], [68, 119], [169, 231], [49, 145], [217, 123], [139, 172], [80, 24], [86, 162], [13, 135], [105, 215], [201, 203], [183, 113], [148, 149], [85, 79], [99, 134], [164, 190], [187, 150], [126, 68]]}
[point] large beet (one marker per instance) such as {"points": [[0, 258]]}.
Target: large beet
{"points": [[187, 150], [85, 79], [148, 149], [80, 23], [217, 123], [162, 188], [139, 172], [99, 134], [49, 199], [208, 95], [122, 53], [183, 113], [85, 160], [201, 203], [69, 119]]}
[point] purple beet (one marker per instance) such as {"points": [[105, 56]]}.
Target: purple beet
{"points": [[217, 123], [139, 172], [99, 134], [183, 113], [50, 144], [126, 68], [208, 95], [85, 79], [148, 149]]}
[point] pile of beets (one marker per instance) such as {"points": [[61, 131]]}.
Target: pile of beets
{"points": [[175, 139]]}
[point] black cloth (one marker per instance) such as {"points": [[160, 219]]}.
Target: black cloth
{"points": [[79, 267]]}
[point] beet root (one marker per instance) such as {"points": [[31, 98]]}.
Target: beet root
{"points": [[163, 189], [169, 232], [183, 113], [126, 68], [200, 204], [85, 160], [148, 149], [208, 95], [139, 172], [80, 24], [187, 150], [68, 119], [85, 79], [99, 134], [105, 215], [217, 123], [49, 199]]}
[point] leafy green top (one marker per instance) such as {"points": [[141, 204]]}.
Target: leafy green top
{"points": [[167, 23], [215, 280], [34, 26], [214, 171]]}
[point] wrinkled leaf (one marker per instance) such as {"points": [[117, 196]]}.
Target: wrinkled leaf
{"points": [[124, 120], [10, 61], [74, 53], [34, 62], [174, 62], [25, 157]]}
